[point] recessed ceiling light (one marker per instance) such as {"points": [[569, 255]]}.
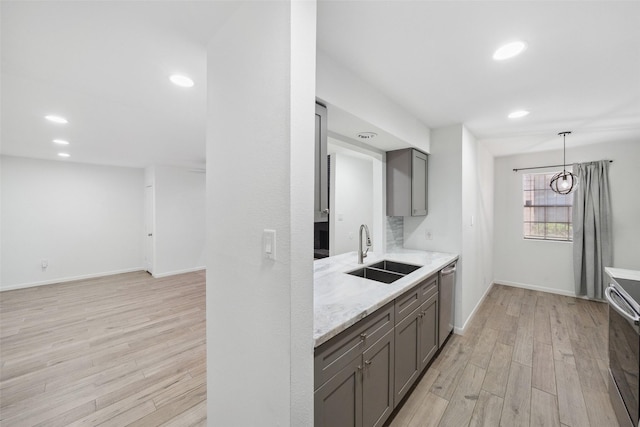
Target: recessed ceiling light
{"points": [[509, 50], [367, 135], [61, 142], [56, 119], [518, 114], [180, 80], [64, 154]]}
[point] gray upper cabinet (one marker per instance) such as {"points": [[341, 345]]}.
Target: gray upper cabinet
{"points": [[407, 182], [321, 192]]}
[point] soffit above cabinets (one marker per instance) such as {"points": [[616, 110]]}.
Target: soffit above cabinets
{"points": [[346, 127]]}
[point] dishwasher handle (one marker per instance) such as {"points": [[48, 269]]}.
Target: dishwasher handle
{"points": [[632, 318], [448, 270]]}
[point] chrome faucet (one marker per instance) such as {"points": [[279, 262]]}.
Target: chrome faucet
{"points": [[361, 255]]}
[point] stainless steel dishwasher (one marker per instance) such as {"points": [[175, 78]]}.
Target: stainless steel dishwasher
{"points": [[447, 302]]}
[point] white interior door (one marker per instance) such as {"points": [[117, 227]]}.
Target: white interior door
{"points": [[149, 213]]}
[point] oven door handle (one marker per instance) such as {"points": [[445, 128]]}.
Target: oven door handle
{"points": [[607, 293]]}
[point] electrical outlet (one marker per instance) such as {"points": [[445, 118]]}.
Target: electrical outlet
{"points": [[351, 236], [44, 264], [428, 235]]}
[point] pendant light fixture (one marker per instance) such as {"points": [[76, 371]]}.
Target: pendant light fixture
{"points": [[564, 182]]}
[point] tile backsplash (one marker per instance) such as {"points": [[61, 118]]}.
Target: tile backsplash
{"points": [[395, 233]]}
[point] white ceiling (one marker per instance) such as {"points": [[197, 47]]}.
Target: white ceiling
{"points": [[580, 72], [105, 66]]}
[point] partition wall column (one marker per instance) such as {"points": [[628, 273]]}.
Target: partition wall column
{"points": [[260, 140]]}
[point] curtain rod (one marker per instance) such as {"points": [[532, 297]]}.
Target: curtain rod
{"points": [[550, 166]]}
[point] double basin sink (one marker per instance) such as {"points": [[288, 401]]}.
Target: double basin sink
{"points": [[384, 271]]}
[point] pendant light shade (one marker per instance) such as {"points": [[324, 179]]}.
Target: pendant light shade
{"points": [[564, 182]]}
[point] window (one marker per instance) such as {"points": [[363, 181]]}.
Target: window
{"points": [[547, 214]]}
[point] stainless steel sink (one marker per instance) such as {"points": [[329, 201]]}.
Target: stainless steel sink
{"points": [[377, 275], [396, 267], [384, 271]]}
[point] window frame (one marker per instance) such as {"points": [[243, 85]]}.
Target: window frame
{"points": [[551, 205]]}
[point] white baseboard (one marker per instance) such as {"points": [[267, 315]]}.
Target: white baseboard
{"points": [[69, 279], [460, 331], [536, 288], [173, 273]]}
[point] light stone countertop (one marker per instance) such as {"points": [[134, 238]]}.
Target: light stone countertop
{"points": [[340, 299], [621, 273]]}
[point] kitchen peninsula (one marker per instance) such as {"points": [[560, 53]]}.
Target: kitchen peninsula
{"points": [[373, 339], [340, 300]]}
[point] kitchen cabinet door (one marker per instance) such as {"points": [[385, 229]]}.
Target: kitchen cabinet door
{"points": [[321, 192], [407, 182], [418, 183], [407, 354], [377, 381], [428, 330], [338, 402]]}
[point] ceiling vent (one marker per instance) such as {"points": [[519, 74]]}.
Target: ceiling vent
{"points": [[367, 135]]}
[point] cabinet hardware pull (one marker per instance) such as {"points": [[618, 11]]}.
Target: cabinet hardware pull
{"points": [[359, 367], [363, 337]]}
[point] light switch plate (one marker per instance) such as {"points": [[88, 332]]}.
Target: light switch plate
{"points": [[269, 243]]}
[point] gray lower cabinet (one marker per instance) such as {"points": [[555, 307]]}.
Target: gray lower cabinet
{"points": [[339, 401], [364, 372], [407, 354], [428, 330], [354, 372], [416, 334], [361, 394], [377, 382]]}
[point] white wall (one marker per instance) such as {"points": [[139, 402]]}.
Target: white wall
{"points": [[547, 265], [179, 231], [477, 225], [351, 201], [86, 220], [377, 158], [342, 88], [444, 199], [460, 187], [260, 145]]}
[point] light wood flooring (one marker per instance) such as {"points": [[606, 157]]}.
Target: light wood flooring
{"points": [[130, 350], [527, 359], [115, 351]]}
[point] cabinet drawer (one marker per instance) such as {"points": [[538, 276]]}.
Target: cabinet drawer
{"points": [[412, 299], [340, 350], [407, 303], [428, 287]]}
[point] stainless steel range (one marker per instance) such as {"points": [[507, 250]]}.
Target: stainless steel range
{"points": [[623, 295]]}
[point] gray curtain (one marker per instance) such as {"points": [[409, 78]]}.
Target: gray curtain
{"points": [[592, 239]]}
